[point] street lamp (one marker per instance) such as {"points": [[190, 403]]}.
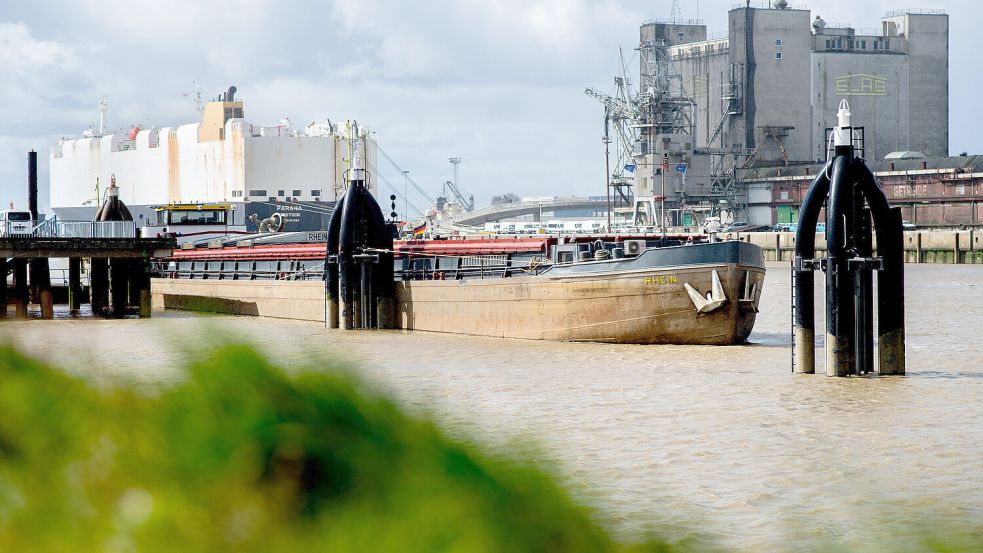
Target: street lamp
{"points": [[406, 200]]}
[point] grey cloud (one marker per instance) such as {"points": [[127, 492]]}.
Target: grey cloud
{"points": [[499, 83]]}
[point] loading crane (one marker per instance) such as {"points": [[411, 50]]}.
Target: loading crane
{"points": [[467, 203]]}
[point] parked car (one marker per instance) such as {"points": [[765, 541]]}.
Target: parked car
{"points": [[735, 226]]}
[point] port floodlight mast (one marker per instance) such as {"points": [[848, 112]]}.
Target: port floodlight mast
{"points": [[454, 187]]}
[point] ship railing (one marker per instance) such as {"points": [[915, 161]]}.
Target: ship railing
{"points": [[238, 270]]}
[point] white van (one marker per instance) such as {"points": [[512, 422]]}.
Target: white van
{"points": [[14, 223]]}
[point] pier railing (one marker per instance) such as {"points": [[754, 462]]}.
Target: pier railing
{"points": [[54, 228]]}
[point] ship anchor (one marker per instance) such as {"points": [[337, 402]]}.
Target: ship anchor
{"points": [[713, 300]]}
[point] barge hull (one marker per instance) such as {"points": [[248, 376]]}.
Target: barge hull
{"points": [[644, 307]]}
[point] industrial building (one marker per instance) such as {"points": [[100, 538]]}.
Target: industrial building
{"points": [[712, 111], [774, 84]]}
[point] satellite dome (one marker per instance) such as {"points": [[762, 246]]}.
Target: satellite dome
{"points": [[781, 4]]}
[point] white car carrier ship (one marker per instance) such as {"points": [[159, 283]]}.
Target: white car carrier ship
{"points": [[257, 170]]}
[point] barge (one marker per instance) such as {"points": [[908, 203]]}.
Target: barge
{"points": [[643, 290]]}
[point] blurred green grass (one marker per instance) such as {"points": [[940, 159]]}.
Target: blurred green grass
{"points": [[243, 456]]}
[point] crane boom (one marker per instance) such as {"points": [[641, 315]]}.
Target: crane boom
{"points": [[617, 108]]}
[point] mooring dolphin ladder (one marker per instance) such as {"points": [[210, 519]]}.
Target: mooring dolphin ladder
{"points": [[792, 313]]}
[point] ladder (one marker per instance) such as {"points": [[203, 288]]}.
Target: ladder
{"points": [[794, 299]]}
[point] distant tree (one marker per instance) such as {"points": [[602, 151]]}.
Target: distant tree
{"points": [[508, 198]]}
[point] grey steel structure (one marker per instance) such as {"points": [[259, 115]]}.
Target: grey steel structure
{"points": [[766, 94]]}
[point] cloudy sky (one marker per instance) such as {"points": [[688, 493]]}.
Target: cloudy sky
{"points": [[498, 83]]}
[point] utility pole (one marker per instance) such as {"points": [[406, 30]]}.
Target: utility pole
{"points": [[665, 169], [406, 197], [607, 163]]}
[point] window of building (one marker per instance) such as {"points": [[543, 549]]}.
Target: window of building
{"points": [[257, 192], [778, 42], [315, 193], [296, 193], [863, 44], [778, 55], [887, 44], [280, 193]]}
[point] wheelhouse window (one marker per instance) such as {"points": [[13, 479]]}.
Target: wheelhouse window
{"points": [[203, 217]]}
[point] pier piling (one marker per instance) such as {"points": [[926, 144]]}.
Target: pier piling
{"points": [[119, 280], [856, 208], [21, 291], [41, 282], [99, 285], [359, 287], [140, 283], [4, 270], [133, 280], [74, 285]]}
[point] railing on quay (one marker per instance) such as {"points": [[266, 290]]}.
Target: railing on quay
{"points": [[54, 228]]}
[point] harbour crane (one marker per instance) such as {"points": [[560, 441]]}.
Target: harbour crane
{"points": [[466, 202]]}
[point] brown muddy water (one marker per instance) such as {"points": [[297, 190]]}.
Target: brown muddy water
{"points": [[723, 440]]}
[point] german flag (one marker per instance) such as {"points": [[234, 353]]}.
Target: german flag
{"points": [[418, 231]]}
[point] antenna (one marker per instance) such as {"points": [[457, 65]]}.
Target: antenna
{"points": [[195, 95], [677, 15], [103, 114]]}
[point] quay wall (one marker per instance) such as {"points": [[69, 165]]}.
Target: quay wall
{"points": [[920, 246]]}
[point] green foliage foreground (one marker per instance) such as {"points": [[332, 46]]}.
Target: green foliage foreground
{"points": [[241, 456]]}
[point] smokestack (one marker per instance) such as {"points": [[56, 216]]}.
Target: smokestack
{"points": [[32, 183]]}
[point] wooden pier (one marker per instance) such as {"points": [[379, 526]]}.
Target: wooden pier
{"points": [[119, 273]]}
